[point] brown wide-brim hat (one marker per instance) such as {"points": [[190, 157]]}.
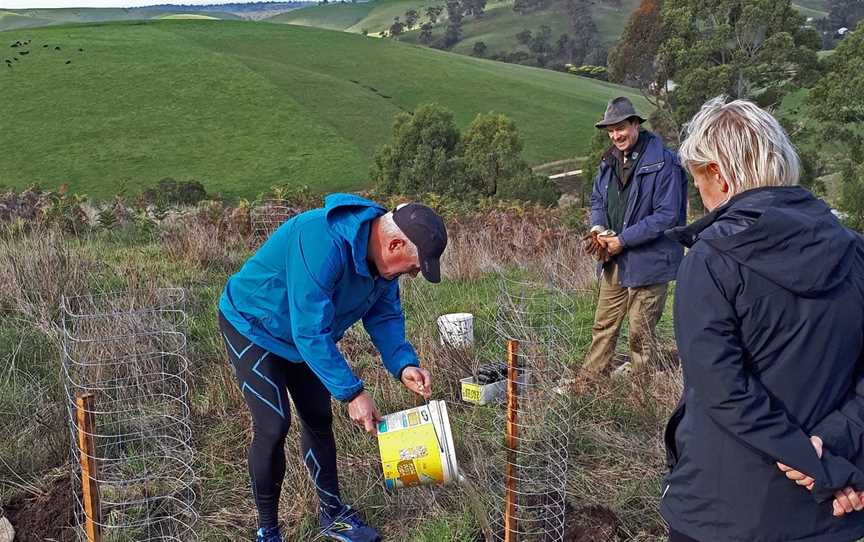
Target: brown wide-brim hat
{"points": [[618, 110]]}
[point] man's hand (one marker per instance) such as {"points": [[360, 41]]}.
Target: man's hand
{"points": [[845, 501], [418, 380], [612, 244], [364, 413]]}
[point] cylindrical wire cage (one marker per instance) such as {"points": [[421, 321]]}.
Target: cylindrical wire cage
{"points": [[533, 486], [126, 353], [267, 216]]}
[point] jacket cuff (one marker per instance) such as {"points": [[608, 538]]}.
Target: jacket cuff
{"points": [[354, 395], [399, 376]]}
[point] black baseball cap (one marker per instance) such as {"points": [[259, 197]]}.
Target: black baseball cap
{"points": [[426, 230]]}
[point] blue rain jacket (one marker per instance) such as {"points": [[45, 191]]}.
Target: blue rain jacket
{"points": [[308, 283]]}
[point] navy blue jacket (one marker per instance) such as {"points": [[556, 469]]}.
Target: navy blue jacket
{"points": [[656, 202], [769, 320]]}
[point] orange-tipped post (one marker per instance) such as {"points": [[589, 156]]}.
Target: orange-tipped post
{"points": [[511, 528], [89, 468]]}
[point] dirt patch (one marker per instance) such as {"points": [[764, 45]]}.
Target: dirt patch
{"points": [[590, 524], [585, 524], [46, 517]]}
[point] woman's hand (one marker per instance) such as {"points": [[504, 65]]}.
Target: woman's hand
{"points": [[845, 501], [799, 477]]}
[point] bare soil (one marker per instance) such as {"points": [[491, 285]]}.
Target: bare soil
{"points": [[590, 524], [47, 517]]}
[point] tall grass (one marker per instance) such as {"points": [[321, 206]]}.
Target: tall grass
{"points": [[616, 451]]}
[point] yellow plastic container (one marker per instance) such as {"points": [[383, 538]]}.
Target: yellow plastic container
{"points": [[416, 447]]}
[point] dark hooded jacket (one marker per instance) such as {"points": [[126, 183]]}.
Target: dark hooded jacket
{"points": [[656, 201], [769, 320]]}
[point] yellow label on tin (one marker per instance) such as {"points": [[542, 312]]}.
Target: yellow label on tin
{"points": [[410, 454], [470, 392]]}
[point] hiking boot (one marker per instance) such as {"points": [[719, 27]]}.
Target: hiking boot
{"points": [[346, 526], [269, 535]]}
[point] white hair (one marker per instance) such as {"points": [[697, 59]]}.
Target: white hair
{"points": [[746, 142], [390, 229]]}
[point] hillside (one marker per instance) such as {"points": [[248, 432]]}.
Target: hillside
{"points": [[497, 28], [26, 18], [240, 106]]}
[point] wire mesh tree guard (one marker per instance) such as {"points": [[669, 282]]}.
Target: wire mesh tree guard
{"points": [[534, 321], [125, 368], [267, 216]]}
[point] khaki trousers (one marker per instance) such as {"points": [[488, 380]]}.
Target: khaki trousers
{"points": [[643, 305]]}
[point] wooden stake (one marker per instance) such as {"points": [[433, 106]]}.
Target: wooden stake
{"points": [[89, 467], [511, 528]]}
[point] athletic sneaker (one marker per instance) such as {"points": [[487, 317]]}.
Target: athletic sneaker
{"points": [[346, 526], [269, 535]]}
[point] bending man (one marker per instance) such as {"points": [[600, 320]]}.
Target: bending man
{"points": [[281, 316]]}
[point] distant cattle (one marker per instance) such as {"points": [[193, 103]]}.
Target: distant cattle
{"points": [[46, 45], [57, 48], [80, 50], [23, 52], [68, 62]]}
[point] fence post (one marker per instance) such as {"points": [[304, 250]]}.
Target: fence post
{"points": [[511, 527], [89, 467]]}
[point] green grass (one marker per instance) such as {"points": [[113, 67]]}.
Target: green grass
{"points": [[810, 12], [331, 16], [188, 16], [497, 27], [22, 18], [241, 106]]}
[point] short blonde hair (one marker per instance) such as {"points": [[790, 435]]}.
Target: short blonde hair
{"points": [[750, 147]]}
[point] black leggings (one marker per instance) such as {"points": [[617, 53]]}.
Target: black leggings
{"points": [[266, 380]]}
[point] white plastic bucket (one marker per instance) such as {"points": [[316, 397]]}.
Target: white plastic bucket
{"points": [[457, 329], [416, 447]]}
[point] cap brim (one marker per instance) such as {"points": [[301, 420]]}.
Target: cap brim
{"points": [[431, 268]]}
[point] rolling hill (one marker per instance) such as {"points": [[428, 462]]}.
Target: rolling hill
{"points": [[28, 18], [497, 28], [240, 106]]}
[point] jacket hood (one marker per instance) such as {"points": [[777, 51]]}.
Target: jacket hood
{"points": [[349, 218], [784, 234]]}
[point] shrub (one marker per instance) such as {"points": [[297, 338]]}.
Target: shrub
{"points": [[171, 192], [422, 156]]}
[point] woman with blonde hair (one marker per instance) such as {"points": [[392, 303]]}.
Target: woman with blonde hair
{"points": [[769, 320]]}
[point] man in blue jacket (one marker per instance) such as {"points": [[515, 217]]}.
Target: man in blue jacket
{"points": [[639, 192], [281, 316]]}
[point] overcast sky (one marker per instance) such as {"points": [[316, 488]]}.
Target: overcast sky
{"points": [[21, 4]]}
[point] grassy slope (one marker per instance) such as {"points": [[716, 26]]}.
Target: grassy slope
{"points": [[23, 18], [241, 106], [497, 28], [334, 17]]}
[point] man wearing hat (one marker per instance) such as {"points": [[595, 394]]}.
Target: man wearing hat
{"points": [[281, 316], [639, 192]]}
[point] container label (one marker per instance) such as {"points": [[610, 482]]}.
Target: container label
{"points": [[410, 453], [471, 392]]}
